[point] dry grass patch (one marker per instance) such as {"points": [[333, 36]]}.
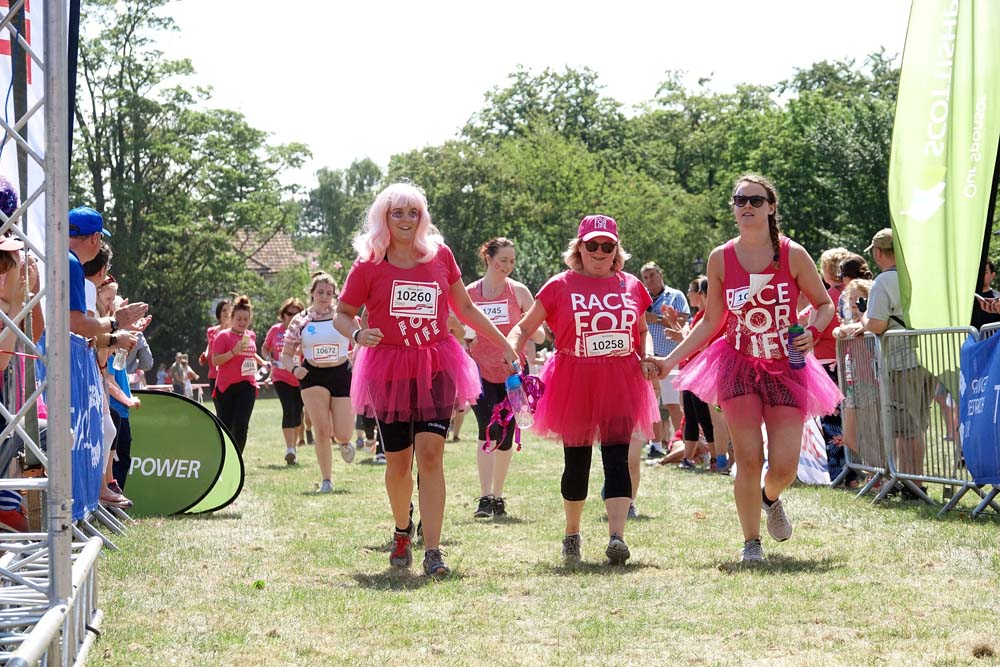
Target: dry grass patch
{"points": [[286, 576]]}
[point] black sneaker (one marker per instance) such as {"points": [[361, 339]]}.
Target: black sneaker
{"points": [[485, 508], [499, 507]]}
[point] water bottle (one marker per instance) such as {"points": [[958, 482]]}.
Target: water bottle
{"points": [[795, 358], [119, 362], [518, 400]]}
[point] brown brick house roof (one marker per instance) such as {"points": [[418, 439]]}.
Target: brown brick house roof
{"points": [[267, 256]]}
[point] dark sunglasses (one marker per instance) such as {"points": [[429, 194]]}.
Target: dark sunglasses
{"points": [[739, 201], [291, 313], [607, 246]]}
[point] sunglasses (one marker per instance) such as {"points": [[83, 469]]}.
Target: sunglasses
{"points": [[291, 313], [606, 247], [739, 201]]}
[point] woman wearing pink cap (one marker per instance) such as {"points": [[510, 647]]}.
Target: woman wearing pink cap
{"points": [[754, 285], [594, 384], [409, 372]]}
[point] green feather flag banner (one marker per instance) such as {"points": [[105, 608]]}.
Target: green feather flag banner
{"points": [[943, 156]]}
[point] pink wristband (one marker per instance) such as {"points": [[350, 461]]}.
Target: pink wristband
{"points": [[814, 330]]}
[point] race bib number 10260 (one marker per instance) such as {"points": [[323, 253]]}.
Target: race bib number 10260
{"points": [[411, 299], [616, 343]]}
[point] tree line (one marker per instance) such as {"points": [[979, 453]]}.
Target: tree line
{"points": [[178, 180]]}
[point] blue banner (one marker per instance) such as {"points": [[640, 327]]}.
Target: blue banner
{"points": [[980, 389], [87, 416]]}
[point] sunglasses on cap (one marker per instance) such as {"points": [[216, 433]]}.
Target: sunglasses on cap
{"points": [[739, 201], [606, 246]]}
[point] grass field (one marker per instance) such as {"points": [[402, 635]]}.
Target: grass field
{"points": [[285, 576]]}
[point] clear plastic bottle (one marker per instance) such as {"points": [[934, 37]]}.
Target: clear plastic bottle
{"points": [[518, 400], [796, 359], [119, 361]]}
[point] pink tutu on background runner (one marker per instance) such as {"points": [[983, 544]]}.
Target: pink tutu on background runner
{"points": [[720, 373], [590, 400], [398, 383]]}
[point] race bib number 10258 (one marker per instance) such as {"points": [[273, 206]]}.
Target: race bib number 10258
{"points": [[410, 299], [607, 343]]}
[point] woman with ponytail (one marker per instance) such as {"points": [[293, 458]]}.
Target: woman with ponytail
{"points": [[234, 352], [754, 284]]}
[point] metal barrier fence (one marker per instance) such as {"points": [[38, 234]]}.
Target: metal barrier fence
{"points": [[901, 414]]}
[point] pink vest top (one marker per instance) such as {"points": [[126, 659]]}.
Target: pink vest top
{"points": [[762, 305], [504, 311]]}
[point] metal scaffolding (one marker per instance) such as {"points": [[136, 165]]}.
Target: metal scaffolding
{"points": [[48, 605]]}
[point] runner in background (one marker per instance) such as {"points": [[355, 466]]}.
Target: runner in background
{"points": [[286, 385], [503, 301]]}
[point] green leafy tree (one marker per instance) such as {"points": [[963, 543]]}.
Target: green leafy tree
{"points": [[175, 182]]}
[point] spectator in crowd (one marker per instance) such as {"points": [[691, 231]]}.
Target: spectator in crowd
{"points": [[138, 361], [911, 387], [666, 300], [162, 374], [985, 295], [181, 376]]}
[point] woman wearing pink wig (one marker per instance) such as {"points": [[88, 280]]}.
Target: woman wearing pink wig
{"points": [[409, 372]]}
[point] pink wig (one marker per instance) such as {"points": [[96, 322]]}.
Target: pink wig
{"points": [[373, 240]]}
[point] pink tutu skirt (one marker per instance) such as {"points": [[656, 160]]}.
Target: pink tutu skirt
{"points": [[595, 400], [721, 373], [402, 384]]}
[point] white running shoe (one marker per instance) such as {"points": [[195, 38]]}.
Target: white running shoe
{"points": [[778, 525], [326, 487], [752, 551], [347, 452]]}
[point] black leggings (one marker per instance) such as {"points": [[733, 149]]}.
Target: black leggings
{"points": [[291, 404], [576, 473], [235, 408], [696, 411], [493, 393], [123, 448]]}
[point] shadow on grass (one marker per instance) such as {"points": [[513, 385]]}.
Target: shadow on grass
{"points": [[585, 568], [278, 466], [314, 493], [402, 580], [210, 516], [507, 519], [641, 518], [370, 462], [418, 545], [778, 564]]}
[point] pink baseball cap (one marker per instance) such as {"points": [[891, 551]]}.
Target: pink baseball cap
{"points": [[597, 225]]}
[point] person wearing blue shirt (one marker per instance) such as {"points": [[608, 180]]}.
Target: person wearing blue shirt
{"points": [[663, 297]]}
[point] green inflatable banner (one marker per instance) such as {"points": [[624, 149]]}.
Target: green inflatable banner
{"points": [[943, 156], [182, 458]]}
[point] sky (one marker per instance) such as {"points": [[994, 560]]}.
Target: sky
{"points": [[370, 79]]}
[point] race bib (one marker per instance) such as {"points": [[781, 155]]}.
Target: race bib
{"points": [[414, 300], [498, 312], [326, 352], [607, 343], [249, 367]]}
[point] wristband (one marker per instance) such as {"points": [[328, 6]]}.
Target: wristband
{"points": [[112, 340], [354, 336], [814, 330], [114, 325]]}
